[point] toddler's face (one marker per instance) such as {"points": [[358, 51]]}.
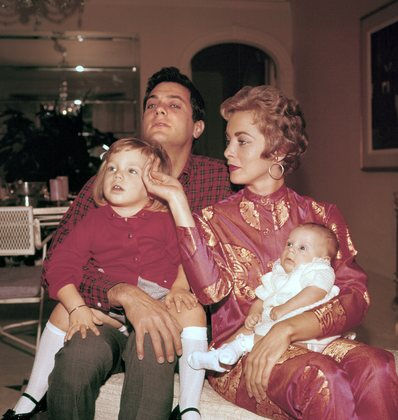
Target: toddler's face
{"points": [[302, 246], [123, 186]]}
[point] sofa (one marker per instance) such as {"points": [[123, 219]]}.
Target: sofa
{"points": [[212, 406]]}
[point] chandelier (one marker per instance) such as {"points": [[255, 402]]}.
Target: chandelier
{"points": [[55, 11]]}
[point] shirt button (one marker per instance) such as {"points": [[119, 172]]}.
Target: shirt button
{"points": [[99, 304], [130, 235], [136, 259], [266, 231]]}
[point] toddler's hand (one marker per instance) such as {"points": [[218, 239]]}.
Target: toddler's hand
{"points": [[251, 321], [81, 320], [179, 296]]}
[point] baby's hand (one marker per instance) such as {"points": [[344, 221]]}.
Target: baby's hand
{"points": [[177, 296], [276, 312], [81, 319], [251, 321]]}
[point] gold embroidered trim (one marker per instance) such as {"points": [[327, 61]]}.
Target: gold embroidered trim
{"points": [[208, 213], [227, 383], [208, 235], [337, 349], [242, 261], [249, 213], [291, 352], [319, 210], [280, 213], [331, 316], [366, 297]]}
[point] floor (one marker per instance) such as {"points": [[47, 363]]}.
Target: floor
{"points": [[15, 363]]}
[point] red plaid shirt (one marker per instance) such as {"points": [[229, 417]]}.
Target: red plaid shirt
{"points": [[205, 181]]}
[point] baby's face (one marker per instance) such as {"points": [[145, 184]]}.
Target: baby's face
{"points": [[302, 246]]}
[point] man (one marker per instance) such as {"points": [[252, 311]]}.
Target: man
{"points": [[173, 116]]}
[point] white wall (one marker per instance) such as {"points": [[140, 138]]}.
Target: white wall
{"points": [[323, 39], [327, 69], [172, 31]]}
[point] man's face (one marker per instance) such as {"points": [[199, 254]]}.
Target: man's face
{"points": [[167, 116]]}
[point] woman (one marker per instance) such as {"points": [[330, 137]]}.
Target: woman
{"points": [[227, 249]]}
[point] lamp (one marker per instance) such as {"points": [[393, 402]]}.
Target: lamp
{"points": [[55, 11]]}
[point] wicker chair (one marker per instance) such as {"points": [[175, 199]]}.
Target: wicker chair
{"points": [[20, 285]]}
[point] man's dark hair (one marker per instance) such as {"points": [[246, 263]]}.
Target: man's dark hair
{"points": [[172, 74]]}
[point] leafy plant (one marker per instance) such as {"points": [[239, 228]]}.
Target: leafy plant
{"points": [[59, 145]]}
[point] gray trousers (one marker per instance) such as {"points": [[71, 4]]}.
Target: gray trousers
{"points": [[82, 366]]}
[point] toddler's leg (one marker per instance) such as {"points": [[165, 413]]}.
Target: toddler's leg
{"points": [[193, 338], [51, 341]]}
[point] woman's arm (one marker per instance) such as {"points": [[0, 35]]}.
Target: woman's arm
{"points": [[331, 318], [347, 310], [199, 264], [269, 349]]}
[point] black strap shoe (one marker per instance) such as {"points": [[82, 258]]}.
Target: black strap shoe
{"points": [[176, 414], [39, 407]]}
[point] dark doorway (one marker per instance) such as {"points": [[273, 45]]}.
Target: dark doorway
{"points": [[219, 72]]}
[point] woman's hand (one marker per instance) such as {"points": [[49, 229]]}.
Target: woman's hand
{"points": [[261, 360], [160, 184], [81, 320], [177, 296]]}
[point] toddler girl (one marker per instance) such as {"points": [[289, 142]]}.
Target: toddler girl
{"points": [[131, 236]]}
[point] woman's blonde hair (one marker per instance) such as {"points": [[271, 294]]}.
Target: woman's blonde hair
{"points": [[147, 149], [279, 119]]}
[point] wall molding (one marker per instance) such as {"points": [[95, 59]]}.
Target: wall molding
{"points": [[239, 34]]}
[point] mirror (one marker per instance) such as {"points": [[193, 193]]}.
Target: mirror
{"points": [[97, 74]]}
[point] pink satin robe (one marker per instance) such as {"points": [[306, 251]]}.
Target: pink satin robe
{"points": [[233, 244]]}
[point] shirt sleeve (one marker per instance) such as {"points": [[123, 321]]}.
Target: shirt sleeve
{"points": [[171, 242], [206, 267], [348, 309], [94, 285], [66, 263], [319, 275]]}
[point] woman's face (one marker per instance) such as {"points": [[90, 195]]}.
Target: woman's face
{"points": [[245, 144]]}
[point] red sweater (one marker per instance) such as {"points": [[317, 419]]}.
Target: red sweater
{"points": [[144, 245]]}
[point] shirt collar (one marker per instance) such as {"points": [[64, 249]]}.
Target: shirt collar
{"points": [[266, 200], [111, 214]]}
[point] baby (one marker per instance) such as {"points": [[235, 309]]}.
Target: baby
{"points": [[301, 279]]}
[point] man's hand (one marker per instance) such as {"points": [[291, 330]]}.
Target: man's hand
{"points": [[150, 316]]}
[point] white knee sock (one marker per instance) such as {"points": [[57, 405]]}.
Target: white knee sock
{"points": [[191, 380], [51, 341], [231, 352]]}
